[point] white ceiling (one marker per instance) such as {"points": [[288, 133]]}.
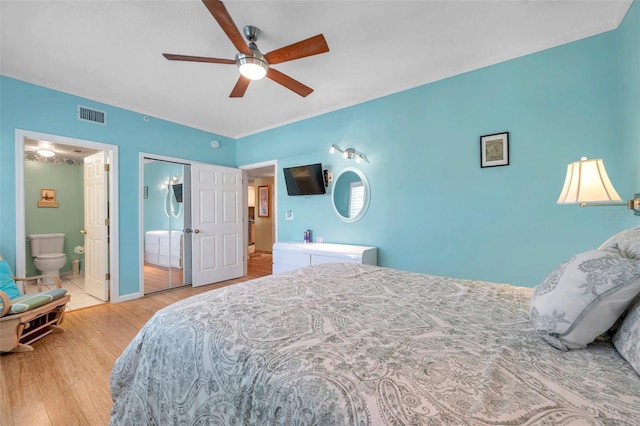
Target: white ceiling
{"points": [[111, 51]]}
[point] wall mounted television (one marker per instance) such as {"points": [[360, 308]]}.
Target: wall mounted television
{"points": [[305, 180], [177, 191]]}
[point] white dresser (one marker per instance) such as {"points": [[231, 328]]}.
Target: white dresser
{"points": [[292, 255]]}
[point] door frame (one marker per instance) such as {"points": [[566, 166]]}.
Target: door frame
{"points": [[114, 228]]}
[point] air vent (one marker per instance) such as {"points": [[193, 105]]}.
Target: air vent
{"points": [[92, 115]]}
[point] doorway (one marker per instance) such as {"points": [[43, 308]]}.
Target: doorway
{"points": [[261, 182], [67, 162]]}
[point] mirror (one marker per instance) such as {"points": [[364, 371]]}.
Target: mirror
{"points": [[351, 194], [166, 217]]}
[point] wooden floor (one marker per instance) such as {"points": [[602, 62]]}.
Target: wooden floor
{"points": [[65, 380], [156, 278]]}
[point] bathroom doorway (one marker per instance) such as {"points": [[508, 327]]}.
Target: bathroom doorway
{"points": [[64, 173]]}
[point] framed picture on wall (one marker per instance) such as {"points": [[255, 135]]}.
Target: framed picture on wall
{"points": [[47, 198], [263, 201], [494, 150]]}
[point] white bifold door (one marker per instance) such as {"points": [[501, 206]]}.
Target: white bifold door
{"points": [[216, 223]]}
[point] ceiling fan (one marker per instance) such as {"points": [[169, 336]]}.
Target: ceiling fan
{"points": [[253, 65]]}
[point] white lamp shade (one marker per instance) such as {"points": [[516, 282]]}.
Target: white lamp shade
{"points": [[587, 182]]}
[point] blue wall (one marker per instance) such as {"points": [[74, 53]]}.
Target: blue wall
{"points": [[433, 209], [38, 109], [628, 55]]}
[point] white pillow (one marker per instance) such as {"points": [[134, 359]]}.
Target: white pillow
{"points": [[627, 241], [627, 339], [583, 297]]}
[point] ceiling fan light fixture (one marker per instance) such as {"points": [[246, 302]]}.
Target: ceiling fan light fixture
{"points": [[252, 67]]}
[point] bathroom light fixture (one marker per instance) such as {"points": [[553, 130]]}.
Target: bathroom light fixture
{"points": [[349, 153], [46, 149], [588, 185]]}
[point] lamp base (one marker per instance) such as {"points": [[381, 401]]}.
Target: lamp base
{"points": [[635, 204]]}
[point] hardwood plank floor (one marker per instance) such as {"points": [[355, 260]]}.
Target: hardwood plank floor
{"points": [[156, 278], [65, 379]]}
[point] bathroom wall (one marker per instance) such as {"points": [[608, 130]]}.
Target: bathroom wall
{"points": [[67, 218]]}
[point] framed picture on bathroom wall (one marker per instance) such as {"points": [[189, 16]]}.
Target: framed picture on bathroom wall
{"points": [[48, 198]]}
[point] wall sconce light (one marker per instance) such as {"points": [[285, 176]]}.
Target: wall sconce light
{"points": [[588, 185], [349, 153]]}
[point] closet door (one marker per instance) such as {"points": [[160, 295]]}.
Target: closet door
{"points": [[217, 223], [166, 211]]}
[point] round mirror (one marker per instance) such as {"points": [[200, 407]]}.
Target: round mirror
{"points": [[351, 194]]}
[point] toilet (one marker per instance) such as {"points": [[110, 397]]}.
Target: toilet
{"points": [[48, 253]]}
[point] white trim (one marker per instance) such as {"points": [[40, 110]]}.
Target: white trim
{"points": [[114, 231]]}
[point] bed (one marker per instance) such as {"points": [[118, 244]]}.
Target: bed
{"points": [[163, 248], [347, 344]]}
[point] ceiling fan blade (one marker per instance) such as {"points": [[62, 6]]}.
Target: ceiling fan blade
{"points": [[289, 82], [221, 15], [172, 57], [240, 87], [309, 47]]}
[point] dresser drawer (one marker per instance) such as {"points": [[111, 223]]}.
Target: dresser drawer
{"points": [[291, 258], [319, 259], [293, 255]]}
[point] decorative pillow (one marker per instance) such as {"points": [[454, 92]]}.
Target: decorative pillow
{"points": [[627, 241], [7, 283], [34, 300], [627, 339], [583, 297]]}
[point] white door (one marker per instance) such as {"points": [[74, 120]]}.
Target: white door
{"points": [[95, 226], [216, 223]]}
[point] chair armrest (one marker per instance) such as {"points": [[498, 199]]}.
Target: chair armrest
{"points": [[38, 279], [6, 303]]}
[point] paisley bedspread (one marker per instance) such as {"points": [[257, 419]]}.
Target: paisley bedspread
{"points": [[346, 344]]}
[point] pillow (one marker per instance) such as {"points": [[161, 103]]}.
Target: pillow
{"points": [[627, 339], [35, 300], [627, 241], [583, 297], [7, 283]]}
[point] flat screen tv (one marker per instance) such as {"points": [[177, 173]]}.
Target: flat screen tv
{"points": [[177, 191], [305, 180]]}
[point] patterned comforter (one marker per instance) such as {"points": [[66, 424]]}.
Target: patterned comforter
{"points": [[345, 344]]}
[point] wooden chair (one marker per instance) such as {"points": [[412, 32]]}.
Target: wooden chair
{"points": [[28, 316]]}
